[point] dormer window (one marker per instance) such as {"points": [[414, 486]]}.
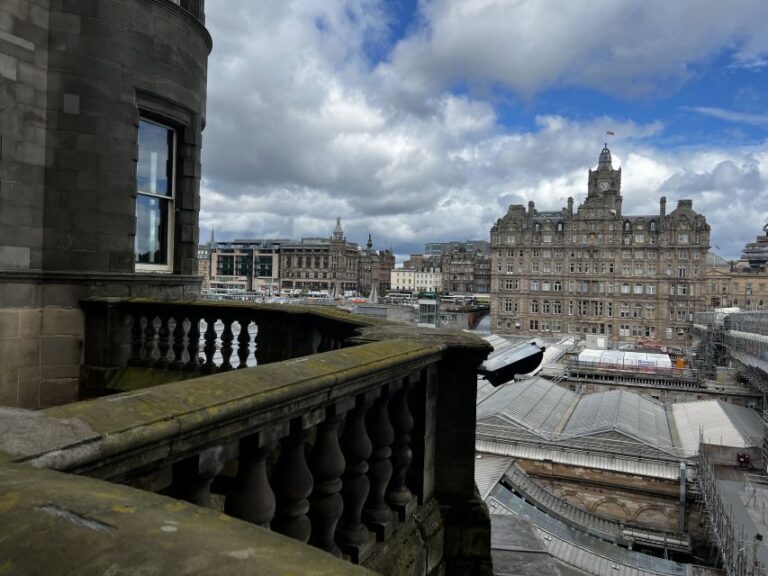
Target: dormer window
{"points": [[537, 227], [653, 226], [627, 226]]}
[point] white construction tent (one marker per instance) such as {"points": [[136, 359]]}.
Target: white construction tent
{"points": [[624, 359]]}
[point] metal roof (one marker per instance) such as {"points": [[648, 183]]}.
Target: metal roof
{"points": [[580, 550], [639, 417], [610, 462], [484, 389], [535, 404], [489, 469], [718, 422]]}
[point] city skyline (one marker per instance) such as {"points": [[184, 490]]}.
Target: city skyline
{"points": [[423, 122]]}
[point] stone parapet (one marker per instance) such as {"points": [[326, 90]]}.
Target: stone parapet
{"points": [[351, 435]]}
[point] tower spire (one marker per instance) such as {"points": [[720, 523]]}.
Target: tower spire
{"points": [[604, 162], [338, 233]]}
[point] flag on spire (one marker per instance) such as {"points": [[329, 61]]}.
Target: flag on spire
{"points": [[609, 133]]}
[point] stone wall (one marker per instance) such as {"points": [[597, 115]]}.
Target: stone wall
{"points": [[74, 79], [23, 90], [627, 498]]}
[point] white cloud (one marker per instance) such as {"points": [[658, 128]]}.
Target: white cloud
{"points": [[620, 47], [304, 127], [731, 115]]}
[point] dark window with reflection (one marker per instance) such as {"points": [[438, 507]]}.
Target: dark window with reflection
{"points": [[154, 198]]}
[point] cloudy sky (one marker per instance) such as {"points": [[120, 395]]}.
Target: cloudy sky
{"points": [[422, 121]]}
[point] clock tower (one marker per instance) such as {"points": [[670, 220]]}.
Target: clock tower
{"points": [[605, 179]]}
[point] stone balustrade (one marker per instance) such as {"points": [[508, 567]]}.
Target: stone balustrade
{"points": [[359, 441], [203, 337]]}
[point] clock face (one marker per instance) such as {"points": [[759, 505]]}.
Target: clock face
{"points": [[603, 184]]}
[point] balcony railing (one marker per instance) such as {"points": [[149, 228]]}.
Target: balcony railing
{"points": [[345, 435]]}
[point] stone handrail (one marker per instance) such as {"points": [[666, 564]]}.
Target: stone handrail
{"points": [[204, 337], [53, 523], [342, 449]]}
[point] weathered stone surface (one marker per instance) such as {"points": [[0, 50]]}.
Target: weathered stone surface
{"points": [[103, 528], [9, 324], [26, 432], [62, 321]]}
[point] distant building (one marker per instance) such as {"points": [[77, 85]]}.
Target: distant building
{"points": [[416, 281], [204, 266], [375, 270], [465, 266], [267, 266], [321, 264], [742, 283], [596, 270], [246, 265]]}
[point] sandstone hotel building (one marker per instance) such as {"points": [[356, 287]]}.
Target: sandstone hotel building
{"points": [[596, 270]]}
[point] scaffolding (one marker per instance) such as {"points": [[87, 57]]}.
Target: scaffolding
{"points": [[738, 556], [741, 339]]}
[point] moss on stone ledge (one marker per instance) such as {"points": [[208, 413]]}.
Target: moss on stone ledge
{"points": [[53, 523]]}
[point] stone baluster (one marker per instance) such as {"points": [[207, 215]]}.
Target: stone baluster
{"points": [[193, 344], [263, 332], [256, 342], [293, 484], [163, 342], [192, 477], [243, 340], [226, 345], [251, 497], [149, 340], [376, 513], [351, 534], [178, 343], [136, 340], [398, 495], [209, 348], [327, 465]]}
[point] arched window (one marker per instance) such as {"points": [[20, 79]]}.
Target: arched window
{"points": [[653, 226], [537, 227]]}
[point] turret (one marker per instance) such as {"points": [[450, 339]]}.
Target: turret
{"points": [[604, 162], [338, 233]]}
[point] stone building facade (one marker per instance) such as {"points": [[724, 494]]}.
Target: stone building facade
{"points": [[321, 264], [465, 266], [595, 270], [416, 281], [741, 283], [102, 107], [375, 270], [270, 266]]}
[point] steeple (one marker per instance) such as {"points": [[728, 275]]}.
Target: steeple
{"points": [[338, 233], [369, 245], [604, 163]]}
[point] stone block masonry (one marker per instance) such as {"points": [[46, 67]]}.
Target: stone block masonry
{"points": [[75, 78]]}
